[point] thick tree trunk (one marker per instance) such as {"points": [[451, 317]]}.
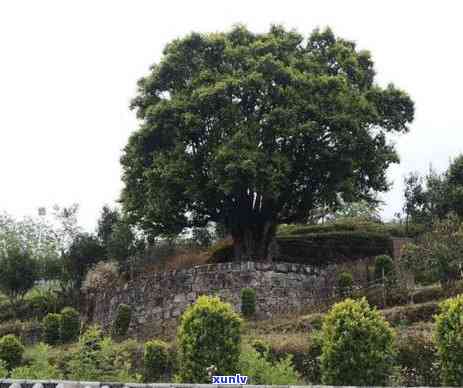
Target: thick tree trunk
{"points": [[253, 242]]}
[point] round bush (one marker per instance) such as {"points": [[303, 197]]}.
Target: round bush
{"points": [[122, 322], [70, 324], [51, 328], [386, 264], [357, 345], [248, 302], [155, 360], [11, 351], [209, 334], [449, 340], [344, 284]]}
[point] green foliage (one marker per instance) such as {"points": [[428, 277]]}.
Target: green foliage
{"points": [[435, 195], [384, 266], [438, 255], [155, 360], [84, 252], [11, 351], [18, 272], [449, 340], [3, 370], [344, 284], [261, 371], [352, 224], [248, 302], [209, 334], [357, 345], [122, 322], [312, 369], [108, 219], [97, 358], [123, 244], [39, 366], [21, 329], [261, 347], [418, 360], [51, 328], [69, 324], [257, 112]]}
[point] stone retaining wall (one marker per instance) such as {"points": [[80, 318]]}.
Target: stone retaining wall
{"points": [[158, 299]]}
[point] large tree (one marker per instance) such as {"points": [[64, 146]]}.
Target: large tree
{"points": [[250, 130]]}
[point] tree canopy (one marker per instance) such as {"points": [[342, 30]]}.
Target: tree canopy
{"points": [[249, 130], [434, 196]]}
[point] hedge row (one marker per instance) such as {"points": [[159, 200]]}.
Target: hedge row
{"points": [[333, 247], [353, 225], [322, 248]]}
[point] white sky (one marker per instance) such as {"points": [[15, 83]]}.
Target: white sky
{"points": [[68, 70]]}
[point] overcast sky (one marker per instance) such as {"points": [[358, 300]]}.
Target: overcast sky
{"points": [[68, 70]]}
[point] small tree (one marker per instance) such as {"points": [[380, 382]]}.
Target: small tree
{"points": [[449, 340], [248, 302], [11, 351], [69, 324], [155, 360], [209, 334], [51, 328], [344, 284], [357, 345], [122, 322], [18, 273], [384, 266]]}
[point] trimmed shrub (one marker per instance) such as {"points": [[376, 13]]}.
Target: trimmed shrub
{"points": [[248, 302], [344, 284], [51, 328], [122, 322], [209, 334], [384, 263], [449, 340], [353, 224], [11, 351], [70, 324], [155, 360], [357, 345]]}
